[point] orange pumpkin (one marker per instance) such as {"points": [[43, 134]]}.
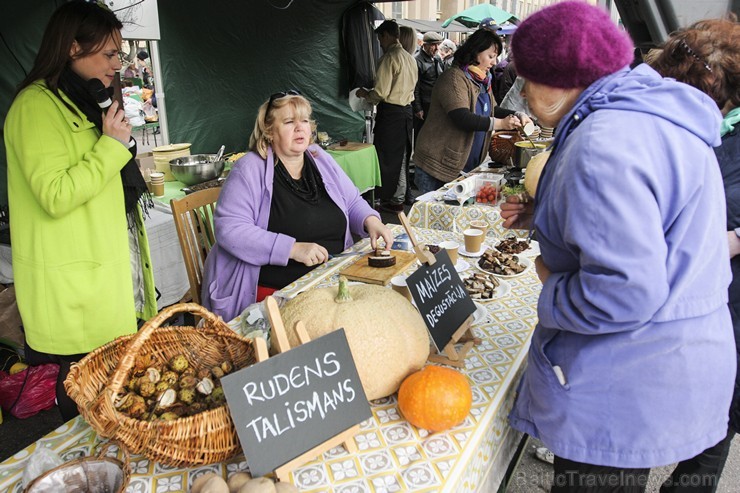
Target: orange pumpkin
{"points": [[435, 398]]}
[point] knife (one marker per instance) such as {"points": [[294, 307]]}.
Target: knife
{"points": [[345, 254]]}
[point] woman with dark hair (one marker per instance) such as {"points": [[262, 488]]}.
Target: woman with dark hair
{"points": [[707, 56], [632, 362], [286, 207], [76, 197], [462, 115]]}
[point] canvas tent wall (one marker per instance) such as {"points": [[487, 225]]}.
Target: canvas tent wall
{"points": [[220, 61]]}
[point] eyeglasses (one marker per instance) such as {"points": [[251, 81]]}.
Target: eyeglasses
{"points": [[279, 95]]}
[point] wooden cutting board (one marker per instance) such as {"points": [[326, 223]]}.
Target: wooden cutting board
{"points": [[350, 146], [360, 271]]}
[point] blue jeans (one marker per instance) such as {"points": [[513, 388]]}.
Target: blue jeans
{"points": [[426, 182]]}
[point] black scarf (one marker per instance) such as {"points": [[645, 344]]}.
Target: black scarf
{"points": [[134, 186], [307, 187]]}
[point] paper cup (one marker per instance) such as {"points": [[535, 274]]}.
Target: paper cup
{"points": [[156, 177], [480, 224], [473, 240], [451, 247], [158, 189], [398, 284]]}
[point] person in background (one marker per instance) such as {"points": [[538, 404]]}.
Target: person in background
{"points": [[130, 71], [393, 94], [706, 55], [407, 38], [632, 362], [285, 208], [446, 51], [462, 115], [429, 69], [76, 198]]}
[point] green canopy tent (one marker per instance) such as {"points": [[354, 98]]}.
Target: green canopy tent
{"points": [[472, 16], [220, 61]]}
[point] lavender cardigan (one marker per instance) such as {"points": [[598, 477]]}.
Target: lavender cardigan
{"points": [[243, 243]]}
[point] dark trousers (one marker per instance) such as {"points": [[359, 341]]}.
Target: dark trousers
{"points": [[392, 136], [699, 474], [577, 477], [67, 406]]}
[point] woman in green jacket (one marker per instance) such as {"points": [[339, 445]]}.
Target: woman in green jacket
{"points": [[80, 253]]}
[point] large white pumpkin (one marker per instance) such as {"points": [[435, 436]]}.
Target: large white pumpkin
{"points": [[387, 336]]}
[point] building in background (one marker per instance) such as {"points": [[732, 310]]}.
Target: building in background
{"points": [[441, 10]]}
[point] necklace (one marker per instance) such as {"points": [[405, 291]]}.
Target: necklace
{"points": [[305, 187]]}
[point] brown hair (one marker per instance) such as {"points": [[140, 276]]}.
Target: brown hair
{"points": [[87, 23], [705, 55], [262, 135]]}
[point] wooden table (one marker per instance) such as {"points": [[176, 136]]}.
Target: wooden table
{"points": [[361, 165], [392, 454]]}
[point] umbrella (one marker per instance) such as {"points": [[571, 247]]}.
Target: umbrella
{"points": [[472, 16]]}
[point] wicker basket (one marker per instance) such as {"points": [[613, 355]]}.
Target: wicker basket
{"points": [[502, 146], [91, 474], [204, 438]]}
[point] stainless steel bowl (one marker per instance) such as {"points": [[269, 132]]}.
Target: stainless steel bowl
{"points": [[197, 168]]}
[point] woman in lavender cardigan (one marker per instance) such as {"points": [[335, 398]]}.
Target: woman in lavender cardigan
{"points": [[285, 208]]}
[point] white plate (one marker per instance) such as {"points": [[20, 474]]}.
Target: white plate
{"points": [[480, 314], [462, 251], [461, 265], [503, 289], [522, 261], [532, 251]]}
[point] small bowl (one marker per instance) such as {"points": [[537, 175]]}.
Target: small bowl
{"points": [[197, 168]]}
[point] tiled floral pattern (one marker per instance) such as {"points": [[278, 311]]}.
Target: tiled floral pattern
{"points": [[392, 455]]}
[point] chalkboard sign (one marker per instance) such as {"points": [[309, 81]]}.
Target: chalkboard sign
{"points": [[289, 404], [441, 298]]}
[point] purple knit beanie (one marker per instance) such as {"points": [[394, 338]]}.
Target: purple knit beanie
{"points": [[569, 44]]}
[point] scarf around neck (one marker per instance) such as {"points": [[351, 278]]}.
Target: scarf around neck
{"points": [[729, 121], [134, 186], [477, 75]]}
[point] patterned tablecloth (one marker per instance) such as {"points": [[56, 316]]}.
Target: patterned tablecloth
{"points": [[392, 454], [437, 214]]}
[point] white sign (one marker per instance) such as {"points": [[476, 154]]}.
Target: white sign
{"points": [[140, 18]]}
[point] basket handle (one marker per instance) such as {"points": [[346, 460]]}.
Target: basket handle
{"points": [[104, 447], [116, 380]]}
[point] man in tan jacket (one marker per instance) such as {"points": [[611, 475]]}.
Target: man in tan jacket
{"points": [[393, 93]]}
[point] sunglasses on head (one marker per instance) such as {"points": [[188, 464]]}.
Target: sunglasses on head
{"points": [[279, 95]]}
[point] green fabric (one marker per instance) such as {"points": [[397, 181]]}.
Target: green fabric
{"points": [[254, 49], [362, 167], [730, 120], [71, 258]]}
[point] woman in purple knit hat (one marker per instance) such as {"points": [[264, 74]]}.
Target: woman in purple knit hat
{"points": [[632, 362]]}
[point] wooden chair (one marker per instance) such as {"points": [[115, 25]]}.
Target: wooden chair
{"points": [[193, 216]]}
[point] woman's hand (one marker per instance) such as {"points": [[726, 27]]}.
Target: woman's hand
{"points": [[524, 118], [543, 272], [517, 212], [511, 122], [116, 125], [376, 229], [309, 254]]}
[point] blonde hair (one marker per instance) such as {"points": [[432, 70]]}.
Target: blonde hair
{"points": [[262, 134], [407, 38]]}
